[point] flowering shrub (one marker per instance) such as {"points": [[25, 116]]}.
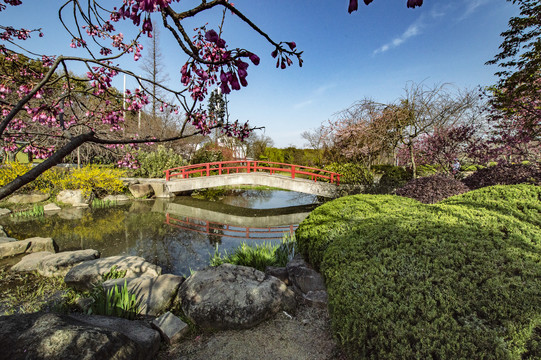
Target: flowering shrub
{"points": [[88, 179], [504, 174], [432, 189]]}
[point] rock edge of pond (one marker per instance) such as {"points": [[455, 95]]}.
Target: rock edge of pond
{"points": [[230, 298]]}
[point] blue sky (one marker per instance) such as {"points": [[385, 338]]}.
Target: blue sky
{"points": [[372, 53]]}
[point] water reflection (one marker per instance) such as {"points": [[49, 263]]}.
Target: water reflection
{"points": [[178, 235]]}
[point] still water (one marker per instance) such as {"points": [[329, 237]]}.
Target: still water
{"points": [[178, 234]]}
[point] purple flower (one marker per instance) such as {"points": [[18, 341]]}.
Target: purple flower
{"points": [[254, 58], [274, 53], [211, 36], [291, 45], [353, 5], [414, 3]]}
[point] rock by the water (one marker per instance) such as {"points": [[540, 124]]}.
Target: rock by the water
{"points": [[51, 207], [278, 272], [303, 277], [54, 336], [28, 198], [71, 197], [140, 332], [87, 274], [171, 328], [81, 205], [30, 245], [5, 239], [4, 212], [154, 295], [116, 198], [141, 190], [233, 297], [30, 262], [59, 264]]}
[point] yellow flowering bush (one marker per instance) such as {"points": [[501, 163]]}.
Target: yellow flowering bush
{"points": [[90, 178]]}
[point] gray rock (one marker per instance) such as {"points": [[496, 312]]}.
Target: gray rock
{"points": [[116, 198], [278, 272], [2, 230], [4, 211], [87, 274], [140, 332], [154, 295], [30, 262], [81, 205], [30, 245], [59, 264], [55, 336], [4, 239], [51, 207], [233, 297], [317, 298], [303, 277], [28, 198], [170, 327], [141, 190], [71, 197]]}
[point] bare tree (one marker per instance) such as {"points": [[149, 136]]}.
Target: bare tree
{"points": [[423, 109]]}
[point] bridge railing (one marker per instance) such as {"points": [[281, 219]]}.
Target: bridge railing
{"points": [[231, 231], [247, 166]]}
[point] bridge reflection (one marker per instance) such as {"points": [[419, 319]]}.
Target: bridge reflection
{"points": [[232, 231]]}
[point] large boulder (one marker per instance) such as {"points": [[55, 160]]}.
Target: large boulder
{"points": [[55, 336], [71, 197], [233, 297], [30, 262], [28, 198], [141, 190], [30, 245], [89, 273], [59, 264], [154, 295]]}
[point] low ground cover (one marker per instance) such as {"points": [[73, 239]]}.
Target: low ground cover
{"points": [[458, 279]]}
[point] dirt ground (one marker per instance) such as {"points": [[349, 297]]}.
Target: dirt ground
{"points": [[303, 336]]}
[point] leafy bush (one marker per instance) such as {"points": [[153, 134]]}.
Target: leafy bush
{"points": [[351, 173], [393, 176], [333, 219], [432, 189], [154, 163], [521, 201], [444, 281], [258, 256], [504, 174], [427, 170], [115, 302]]}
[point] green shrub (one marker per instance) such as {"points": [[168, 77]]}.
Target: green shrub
{"points": [[444, 281], [154, 163], [504, 174], [431, 189], [392, 176], [351, 173], [334, 219], [427, 170], [521, 201], [115, 302]]}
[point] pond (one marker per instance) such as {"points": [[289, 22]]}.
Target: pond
{"points": [[178, 234]]}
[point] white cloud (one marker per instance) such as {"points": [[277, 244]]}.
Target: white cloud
{"points": [[411, 31], [303, 104], [472, 6]]}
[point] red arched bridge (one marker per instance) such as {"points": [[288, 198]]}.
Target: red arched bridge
{"points": [[279, 175]]}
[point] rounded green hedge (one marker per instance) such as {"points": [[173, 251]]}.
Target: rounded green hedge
{"points": [[444, 281]]}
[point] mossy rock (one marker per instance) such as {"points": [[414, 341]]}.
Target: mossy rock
{"points": [[455, 280]]}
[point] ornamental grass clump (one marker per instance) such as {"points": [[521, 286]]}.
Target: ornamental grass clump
{"points": [[432, 189], [504, 174], [455, 280]]}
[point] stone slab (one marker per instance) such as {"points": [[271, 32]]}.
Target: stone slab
{"points": [[59, 264], [89, 273], [170, 327], [30, 262]]}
